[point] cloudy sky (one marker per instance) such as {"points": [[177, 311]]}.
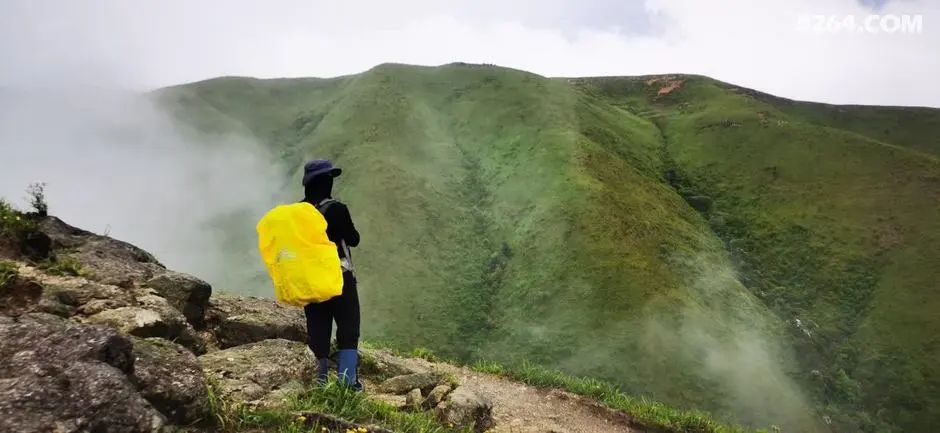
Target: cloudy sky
{"points": [[140, 44]]}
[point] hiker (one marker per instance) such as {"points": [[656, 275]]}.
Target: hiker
{"points": [[344, 309]]}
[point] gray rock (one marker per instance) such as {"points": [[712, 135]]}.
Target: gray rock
{"points": [[80, 397], [74, 381], [170, 377], [153, 318], [186, 293], [239, 320], [381, 365], [414, 399], [467, 408], [63, 342], [403, 384], [78, 296], [252, 371], [436, 396], [106, 260]]}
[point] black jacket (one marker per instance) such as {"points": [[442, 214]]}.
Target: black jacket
{"points": [[339, 225]]}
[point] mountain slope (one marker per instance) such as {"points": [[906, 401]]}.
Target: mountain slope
{"points": [[833, 225], [510, 216]]}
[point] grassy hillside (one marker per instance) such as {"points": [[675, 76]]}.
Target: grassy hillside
{"points": [[833, 216], [512, 217]]}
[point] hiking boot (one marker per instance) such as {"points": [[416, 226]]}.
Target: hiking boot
{"points": [[348, 364], [323, 370]]}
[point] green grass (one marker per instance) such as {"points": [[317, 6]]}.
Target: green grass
{"points": [[63, 267], [512, 217], [8, 273], [334, 399], [14, 223]]}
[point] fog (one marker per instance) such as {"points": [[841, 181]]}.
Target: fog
{"points": [[736, 345], [115, 164]]}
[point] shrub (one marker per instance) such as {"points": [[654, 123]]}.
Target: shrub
{"points": [[36, 194], [8, 273]]}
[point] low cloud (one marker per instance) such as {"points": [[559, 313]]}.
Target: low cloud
{"points": [[116, 164]]}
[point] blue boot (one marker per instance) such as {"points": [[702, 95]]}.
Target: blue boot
{"points": [[323, 369], [348, 364]]}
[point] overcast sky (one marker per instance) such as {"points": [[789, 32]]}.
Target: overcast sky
{"points": [[756, 43]]}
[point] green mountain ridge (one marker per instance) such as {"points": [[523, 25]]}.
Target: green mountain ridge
{"points": [[514, 217]]}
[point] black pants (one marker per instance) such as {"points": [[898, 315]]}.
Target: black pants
{"points": [[345, 310]]}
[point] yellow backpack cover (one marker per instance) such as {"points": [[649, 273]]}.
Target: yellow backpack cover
{"points": [[302, 261]]}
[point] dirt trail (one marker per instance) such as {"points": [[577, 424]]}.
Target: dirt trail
{"points": [[520, 408]]}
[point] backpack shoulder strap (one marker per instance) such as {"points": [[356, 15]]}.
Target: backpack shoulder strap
{"points": [[324, 204]]}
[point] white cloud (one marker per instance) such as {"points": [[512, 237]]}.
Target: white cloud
{"points": [[751, 43]]}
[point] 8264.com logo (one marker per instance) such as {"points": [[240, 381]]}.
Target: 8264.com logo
{"points": [[867, 24]]}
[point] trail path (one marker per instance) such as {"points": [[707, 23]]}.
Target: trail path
{"points": [[520, 408]]}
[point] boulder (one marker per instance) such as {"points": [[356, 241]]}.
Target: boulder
{"points": [[62, 343], [186, 293], [107, 260], [78, 296], [381, 365], [154, 317], [250, 372], [77, 397], [57, 375], [239, 320], [467, 408], [170, 377], [436, 396], [414, 399], [408, 382]]}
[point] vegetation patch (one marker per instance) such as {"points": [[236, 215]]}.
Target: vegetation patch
{"points": [[63, 267], [8, 274], [334, 399]]}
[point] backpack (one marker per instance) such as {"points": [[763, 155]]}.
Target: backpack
{"points": [[303, 263]]}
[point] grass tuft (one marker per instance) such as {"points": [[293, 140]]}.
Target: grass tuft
{"points": [[8, 273], [63, 267], [334, 399]]}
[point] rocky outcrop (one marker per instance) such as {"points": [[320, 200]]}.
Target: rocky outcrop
{"points": [[60, 376], [170, 377], [250, 372], [237, 320], [106, 260], [186, 293], [468, 408], [152, 317], [114, 348], [70, 296]]}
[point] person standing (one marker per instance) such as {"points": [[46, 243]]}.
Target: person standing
{"points": [[344, 309]]}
